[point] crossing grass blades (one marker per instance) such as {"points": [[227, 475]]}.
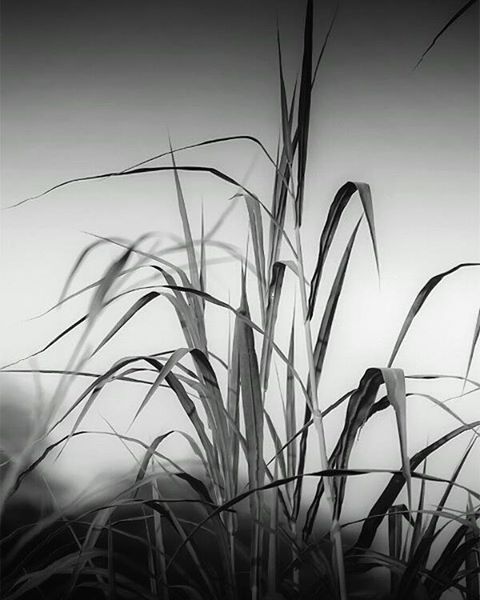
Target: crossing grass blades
{"points": [[259, 537]]}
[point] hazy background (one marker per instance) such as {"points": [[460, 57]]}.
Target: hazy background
{"points": [[90, 87]]}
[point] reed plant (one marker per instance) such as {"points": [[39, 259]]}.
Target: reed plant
{"points": [[257, 532]]}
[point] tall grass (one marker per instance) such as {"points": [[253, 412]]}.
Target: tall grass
{"points": [[290, 547]]}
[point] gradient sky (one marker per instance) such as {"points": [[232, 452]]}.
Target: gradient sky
{"points": [[91, 87]]}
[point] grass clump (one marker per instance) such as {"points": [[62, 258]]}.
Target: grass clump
{"points": [[258, 535]]}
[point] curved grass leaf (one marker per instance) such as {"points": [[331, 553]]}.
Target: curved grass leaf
{"points": [[341, 200], [209, 142], [131, 312], [188, 168], [450, 22], [418, 303], [148, 455]]}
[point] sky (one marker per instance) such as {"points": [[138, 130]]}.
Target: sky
{"points": [[91, 87]]}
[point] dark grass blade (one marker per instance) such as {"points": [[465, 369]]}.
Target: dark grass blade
{"points": [[290, 413], [193, 267], [340, 202], [110, 277], [233, 404], [304, 104], [274, 294], [450, 22], [197, 485], [50, 344], [453, 556], [395, 541], [358, 411], [422, 553], [317, 474], [81, 291], [417, 528], [395, 485], [319, 353], [92, 392], [187, 168], [280, 195], [151, 451], [209, 142], [187, 290], [149, 454], [476, 334], [309, 423], [252, 403], [216, 414], [325, 42], [140, 171], [167, 368], [326, 324], [131, 312], [187, 232], [256, 230], [203, 259], [281, 190], [419, 301], [374, 559], [182, 313], [76, 266], [183, 309], [280, 464], [64, 565], [395, 384], [472, 558], [286, 122]]}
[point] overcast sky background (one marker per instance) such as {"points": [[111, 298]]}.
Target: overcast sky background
{"points": [[91, 87]]}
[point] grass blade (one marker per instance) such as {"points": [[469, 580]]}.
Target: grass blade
{"points": [[256, 230], [253, 415], [395, 384], [319, 353], [395, 542], [274, 294], [340, 202], [476, 334], [472, 558], [450, 22], [304, 103], [132, 311], [418, 303]]}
